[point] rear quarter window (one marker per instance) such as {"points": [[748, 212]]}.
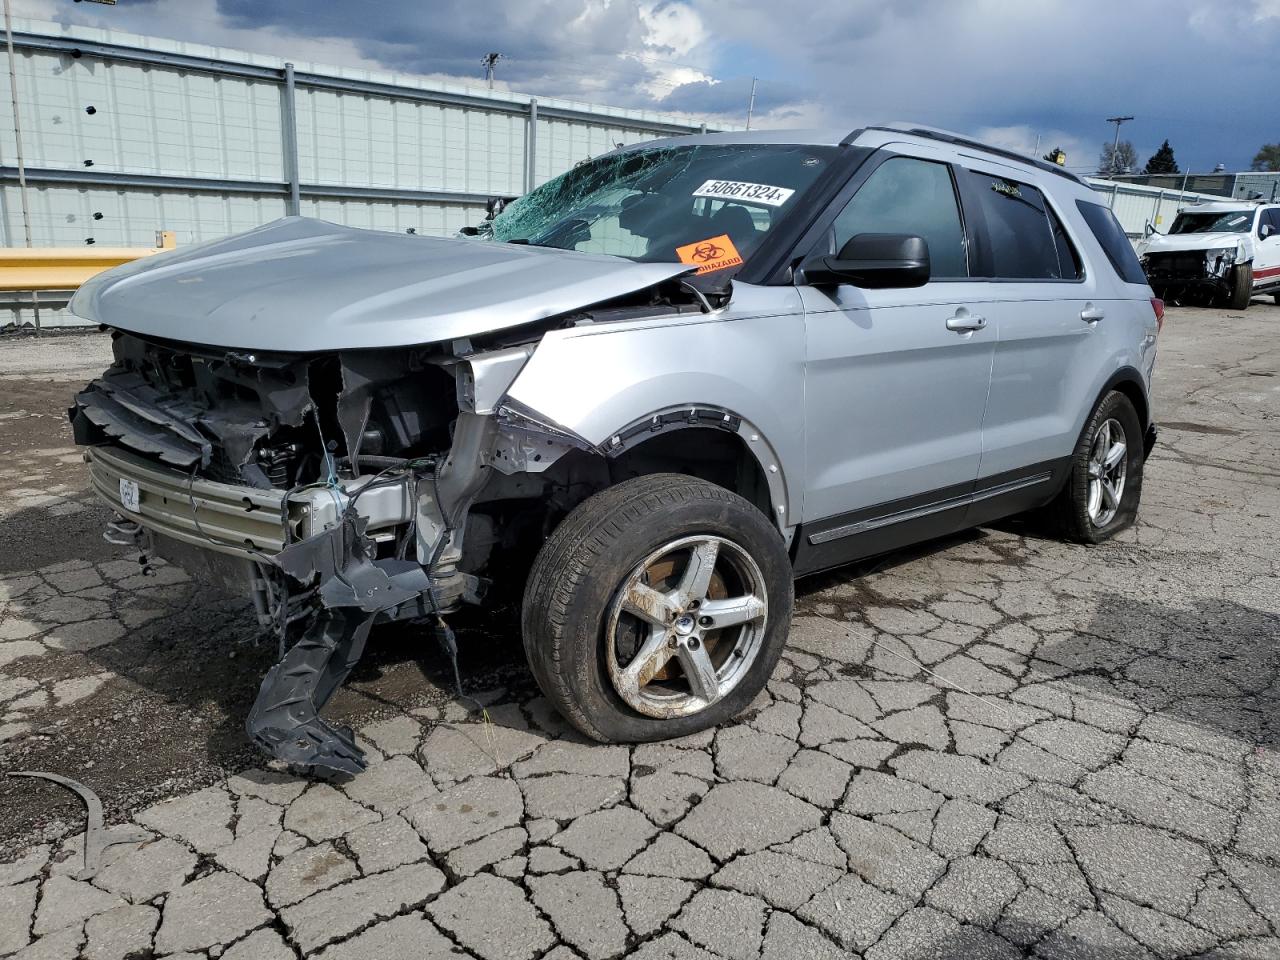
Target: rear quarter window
{"points": [[1111, 237]]}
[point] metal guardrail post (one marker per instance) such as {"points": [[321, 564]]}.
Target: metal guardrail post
{"points": [[289, 145], [531, 145], [21, 159]]}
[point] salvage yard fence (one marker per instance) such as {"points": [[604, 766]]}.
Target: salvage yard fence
{"points": [[1136, 205], [124, 135]]}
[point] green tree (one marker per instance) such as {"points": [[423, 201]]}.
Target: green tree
{"points": [[1268, 158], [1122, 159], [1162, 161]]}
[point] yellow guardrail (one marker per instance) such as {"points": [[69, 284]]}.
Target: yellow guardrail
{"points": [[65, 268]]}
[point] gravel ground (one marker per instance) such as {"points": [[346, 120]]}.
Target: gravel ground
{"points": [[993, 746]]}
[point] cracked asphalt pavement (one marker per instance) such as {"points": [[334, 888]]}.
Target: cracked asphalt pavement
{"points": [[995, 745]]}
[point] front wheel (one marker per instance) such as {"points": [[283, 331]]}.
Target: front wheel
{"points": [[1241, 287], [1105, 485], [657, 609]]}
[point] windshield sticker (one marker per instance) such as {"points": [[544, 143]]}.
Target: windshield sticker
{"points": [[708, 256], [745, 192]]}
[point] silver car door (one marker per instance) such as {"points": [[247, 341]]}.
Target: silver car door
{"points": [[1052, 337], [895, 380]]}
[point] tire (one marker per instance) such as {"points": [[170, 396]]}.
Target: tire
{"points": [[1241, 287], [1276, 298], [580, 636], [1075, 518]]}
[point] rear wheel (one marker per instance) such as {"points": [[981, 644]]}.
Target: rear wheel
{"points": [[1105, 485], [1241, 287], [658, 608]]}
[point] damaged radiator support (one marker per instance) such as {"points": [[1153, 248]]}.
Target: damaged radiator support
{"points": [[248, 468], [355, 588]]}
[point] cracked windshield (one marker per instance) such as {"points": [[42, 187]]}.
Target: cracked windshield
{"points": [[709, 206], [1232, 221]]}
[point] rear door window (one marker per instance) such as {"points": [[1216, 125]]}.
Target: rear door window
{"points": [[1110, 235], [1024, 242]]}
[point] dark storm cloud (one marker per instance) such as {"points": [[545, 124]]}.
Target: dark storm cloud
{"points": [[729, 97], [575, 40], [1200, 72]]}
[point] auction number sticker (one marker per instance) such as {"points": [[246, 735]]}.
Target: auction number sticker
{"points": [[716, 253], [746, 192], [129, 496]]}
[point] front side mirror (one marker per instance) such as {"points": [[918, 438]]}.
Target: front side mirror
{"points": [[873, 261], [1266, 230]]}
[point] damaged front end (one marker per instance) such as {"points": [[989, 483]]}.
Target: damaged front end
{"points": [[334, 488], [1204, 273]]}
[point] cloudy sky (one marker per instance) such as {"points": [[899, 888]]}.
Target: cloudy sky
{"points": [[1202, 73]]}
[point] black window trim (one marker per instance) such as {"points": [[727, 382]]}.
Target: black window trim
{"points": [[772, 263], [970, 199], [821, 226]]}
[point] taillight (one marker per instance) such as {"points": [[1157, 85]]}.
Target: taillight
{"points": [[1158, 306]]}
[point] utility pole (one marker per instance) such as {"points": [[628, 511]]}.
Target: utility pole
{"points": [[1115, 144], [489, 61], [751, 104]]}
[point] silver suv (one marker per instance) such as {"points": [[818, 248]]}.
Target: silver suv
{"points": [[643, 399]]}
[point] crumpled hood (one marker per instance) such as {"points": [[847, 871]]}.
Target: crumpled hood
{"points": [[303, 285], [1174, 242]]}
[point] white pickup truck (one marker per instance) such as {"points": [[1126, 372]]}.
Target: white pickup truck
{"points": [[1225, 252]]}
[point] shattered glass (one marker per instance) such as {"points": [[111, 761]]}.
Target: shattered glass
{"points": [[643, 204]]}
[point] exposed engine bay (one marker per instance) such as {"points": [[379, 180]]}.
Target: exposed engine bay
{"points": [[337, 489]]}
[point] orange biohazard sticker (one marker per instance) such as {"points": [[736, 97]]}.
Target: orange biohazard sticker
{"points": [[710, 255]]}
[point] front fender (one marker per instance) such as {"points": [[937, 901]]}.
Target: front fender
{"points": [[598, 381]]}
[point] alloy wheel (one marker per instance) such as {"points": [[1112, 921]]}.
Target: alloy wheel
{"points": [[1108, 467], [685, 626]]}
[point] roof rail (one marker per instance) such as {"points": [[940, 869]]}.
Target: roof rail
{"points": [[957, 140]]}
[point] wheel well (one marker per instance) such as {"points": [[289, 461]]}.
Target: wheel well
{"points": [[714, 455], [1137, 396]]}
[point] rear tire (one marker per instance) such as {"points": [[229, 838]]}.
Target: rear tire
{"points": [[582, 631], [1276, 298], [1105, 484], [1241, 287]]}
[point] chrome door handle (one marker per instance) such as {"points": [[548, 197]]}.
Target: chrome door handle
{"points": [[965, 322], [1091, 314]]}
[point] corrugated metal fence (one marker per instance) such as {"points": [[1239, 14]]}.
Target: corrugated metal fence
{"points": [[126, 135], [1135, 205]]}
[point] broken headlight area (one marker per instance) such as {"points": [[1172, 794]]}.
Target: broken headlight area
{"points": [[333, 489], [1210, 271]]}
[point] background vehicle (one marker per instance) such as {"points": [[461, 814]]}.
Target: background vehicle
{"points": [[1225, 252], [648, 394]]}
